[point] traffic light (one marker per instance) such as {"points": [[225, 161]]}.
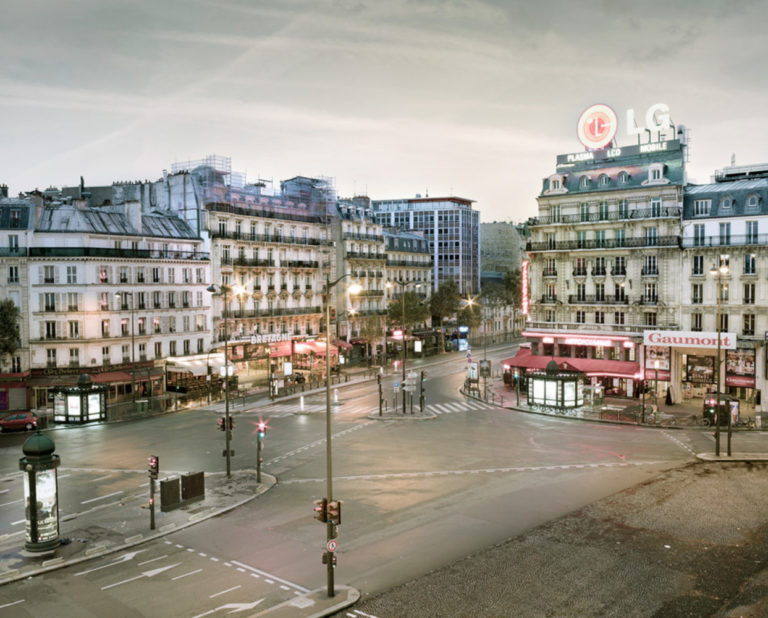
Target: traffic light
{"points": [[220, 422], [334, 512], [333, 314], [231, 422], [153, 466], [262, 427], [321, 510]]}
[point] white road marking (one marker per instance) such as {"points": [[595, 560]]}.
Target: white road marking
{"points": [[114, 493], [144, 574], [14, 502], [14, 603], [124, 558], [101, 478], [153, 560], [216, 594], [268, 575], [18, 521], [235, 607], [173, 579]]}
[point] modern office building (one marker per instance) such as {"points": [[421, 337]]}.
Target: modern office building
{"points": [[450, 226]]}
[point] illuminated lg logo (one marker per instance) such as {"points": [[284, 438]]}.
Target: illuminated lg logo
{"points": [[597, 126]]}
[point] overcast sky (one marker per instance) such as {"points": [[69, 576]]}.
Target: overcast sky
{"points": [[388, 97]]}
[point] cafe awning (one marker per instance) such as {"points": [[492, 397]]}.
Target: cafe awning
{"points": [[592, 367], [198, 365]]}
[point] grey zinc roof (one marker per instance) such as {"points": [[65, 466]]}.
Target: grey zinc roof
{"points": [[109, 220], [738, 190]]}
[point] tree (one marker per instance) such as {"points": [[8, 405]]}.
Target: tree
{"points": [[471, 315], [414, 312], [9, 329], [443, 304], [371, 330]]}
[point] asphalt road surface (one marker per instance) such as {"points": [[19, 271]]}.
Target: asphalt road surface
{"points": [[417, 495]]}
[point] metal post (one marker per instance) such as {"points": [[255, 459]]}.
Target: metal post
{"points": [[381, 399], [328, 465], [405, 341], [151, 503], [717, 366], [226, 383], [258, 459], [133, 354]]}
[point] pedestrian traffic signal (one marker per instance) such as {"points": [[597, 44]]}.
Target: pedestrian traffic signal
{"points": [[334, 512], [220, 423], [321, 510], [262, 427], [154, 466]]}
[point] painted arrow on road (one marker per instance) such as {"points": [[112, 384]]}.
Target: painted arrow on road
{"points": [[235, 607], [124, 558], [151, 573]]}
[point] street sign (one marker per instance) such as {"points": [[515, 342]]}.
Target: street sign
{"points": [[485, 368], [332, 545], [472, 371]]}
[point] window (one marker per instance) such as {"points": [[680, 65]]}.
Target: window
{"points": [[603, 180], [698, 235], [749, 293], [124, 327], [50, 301], [698, 265], [697, 293], [105, 328], [623, 178], [701, 207], [584, 212], [696, 322], [140, 274], [724, 260], [725, 234], [172, 348], [16, 364], [618, 291], [103, 275], [581, 292], [602, 211], [650, 293], [581, 239], [105, 355], [748, 324], [126, 353], [185, 345], [123, 274], [749, 264], [13, 274], [655, 173], [71, 274], [599, 266], [619, 266], [753, 202], [580, 267], [156, 325], [143, 351], [618, 317], [50, 360], [74, 329], [600, 292], [549, 315], [222, 227], [171, 299], [651, 266], [156, 297], [581, 317], [723, 322], [726, 203], [584, 182], [599, 317], [600, 238], [172, 324], [50, 330], [751, 227], [158, 349], [48, 274], [656, 207], [723, 293], [155, 275], [651, 236], [650, 318], [74, 357], [551, 242], [13, 243], [554, 184], [623, 209], [142, 325]]}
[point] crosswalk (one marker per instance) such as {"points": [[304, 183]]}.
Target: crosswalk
{"points": [[458, 406]]}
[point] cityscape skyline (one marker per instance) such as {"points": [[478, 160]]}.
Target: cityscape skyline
{"points": [[441, 98]]}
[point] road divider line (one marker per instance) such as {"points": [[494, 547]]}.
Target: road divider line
{"points": [[114, 493], [217, 594]]}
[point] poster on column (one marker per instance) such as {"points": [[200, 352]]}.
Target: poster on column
{"points": [[657, 354], [740, 367]]}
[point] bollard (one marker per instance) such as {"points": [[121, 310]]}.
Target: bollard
{"points": [[301, 403]]}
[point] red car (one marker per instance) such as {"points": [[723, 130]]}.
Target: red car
{"points": [[20, 420]]}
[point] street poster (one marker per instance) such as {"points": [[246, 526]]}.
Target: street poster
{"points": [[653, 355], [740, 367], [700, 369]]}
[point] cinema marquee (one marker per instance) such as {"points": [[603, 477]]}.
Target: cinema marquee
{"points": [[685, 339]]}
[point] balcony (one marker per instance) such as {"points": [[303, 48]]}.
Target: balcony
{"points": [[368, 237], [579, 272], [619, 271], [111, 252], [649, 300], [549, 272], [650, 271], [357, 255], [548, 300], [274, 312], [242, 261], [371, 293], [745, 240], [598, 272], [591, 299], [625, 243], [301, 264], [625, 215]]}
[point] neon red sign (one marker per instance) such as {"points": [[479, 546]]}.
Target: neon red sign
{"points": [[524, 283], [597, 126]]}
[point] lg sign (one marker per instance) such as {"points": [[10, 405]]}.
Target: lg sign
{"points": [[598, 124]]}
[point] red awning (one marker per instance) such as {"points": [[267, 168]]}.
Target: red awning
{"points": [[313, 347], [111, 376], [342, 344], [281, 348], [592, 367]]}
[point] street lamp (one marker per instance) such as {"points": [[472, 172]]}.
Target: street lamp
{"points": [[720, 273], [330, 532], [226, 292], [403, 285], [121, 295], [656, 384]]}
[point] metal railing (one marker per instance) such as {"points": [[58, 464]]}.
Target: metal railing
{"points": [[665, 212]]}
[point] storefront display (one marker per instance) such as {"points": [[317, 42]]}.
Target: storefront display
{"points": [[700, 369]]}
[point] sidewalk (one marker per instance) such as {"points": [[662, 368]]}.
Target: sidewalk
{"points": [[612, 409]]}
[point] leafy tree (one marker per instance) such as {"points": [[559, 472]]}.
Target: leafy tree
{"points": [[443, 304], [471, 315], [414, 312], [9, 328], [371, 330]]}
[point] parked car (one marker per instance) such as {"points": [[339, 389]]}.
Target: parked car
{"points": [[19, 420]]}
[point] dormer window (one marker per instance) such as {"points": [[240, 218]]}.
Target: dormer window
{"points": [[726, 203], [603, 180], [584, 182], [554, 183], [623, 178], [701, 208], [753, 202], [655, 174]]}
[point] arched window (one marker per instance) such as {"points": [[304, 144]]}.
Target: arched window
{"points": [[623, 177], [603, 180], [584, 182]]}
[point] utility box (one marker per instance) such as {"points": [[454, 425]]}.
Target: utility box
{"points": [[170, 495], [192, 486]]}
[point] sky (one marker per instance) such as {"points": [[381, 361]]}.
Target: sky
{"points": [[389, 98]]}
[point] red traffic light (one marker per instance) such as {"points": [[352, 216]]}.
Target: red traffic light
{"points": [[153, 465], [334, 512], [321, 510]]}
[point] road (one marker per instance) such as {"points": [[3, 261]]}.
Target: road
{"points": [[417, 495]]}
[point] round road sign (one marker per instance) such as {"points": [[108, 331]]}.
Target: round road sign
{"points": [[332, 545]]}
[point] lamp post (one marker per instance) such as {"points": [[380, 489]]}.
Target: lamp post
{"points": [[403, 285], [656, 384], [121, 295], [329, 556], [719, 273], [225, 291]]}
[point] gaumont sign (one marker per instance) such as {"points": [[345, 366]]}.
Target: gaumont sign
{"points": [[683, 339]]}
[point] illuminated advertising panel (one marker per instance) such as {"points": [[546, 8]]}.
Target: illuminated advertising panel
{"points": [[657, 362], [700, 369], [597, 126], [525, 301], [740, 368], [686, 339]]}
